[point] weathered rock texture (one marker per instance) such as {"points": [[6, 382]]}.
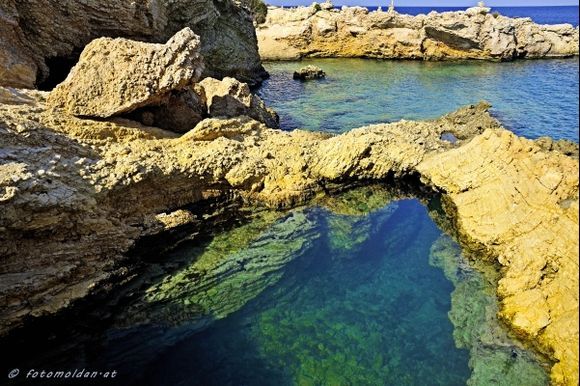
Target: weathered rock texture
{"points": [[315, 31], [230, 98], [155, 84], [529, 224], [116, 76], [309, 72], [75, 194], [39, 39]]}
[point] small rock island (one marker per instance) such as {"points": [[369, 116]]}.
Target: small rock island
{"points": [[308, 73]]}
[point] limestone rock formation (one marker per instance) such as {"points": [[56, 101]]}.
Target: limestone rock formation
{"points": [[230, 98], [292, 33], [515, 220], [116, 76], [75, 195], [155, 84], [309, 72], [41, 40]]}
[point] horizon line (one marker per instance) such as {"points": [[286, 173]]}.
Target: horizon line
{"points": [[434, 6]]}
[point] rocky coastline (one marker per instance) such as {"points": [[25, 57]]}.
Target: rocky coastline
{"points": [[322, 31], [41, 40], [98, 164]]}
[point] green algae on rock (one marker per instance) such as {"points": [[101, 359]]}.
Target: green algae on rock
{"points": [[235, 267], [495, 357], [350, 226]]}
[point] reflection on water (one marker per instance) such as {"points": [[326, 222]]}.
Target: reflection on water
{"points": [[357, 289], [533, 98]]}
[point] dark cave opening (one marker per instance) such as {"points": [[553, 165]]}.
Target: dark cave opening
{"points": [[58, 69]]}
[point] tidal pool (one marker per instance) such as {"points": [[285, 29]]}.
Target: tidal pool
{"points": [[360, 289], [533, 98]]}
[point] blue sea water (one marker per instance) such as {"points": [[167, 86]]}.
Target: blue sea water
{"points": [[362, 301], [540, 15], [533, 98], [362, 288]]}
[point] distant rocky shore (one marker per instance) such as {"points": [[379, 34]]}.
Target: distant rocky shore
{"points": [[320, 30]]}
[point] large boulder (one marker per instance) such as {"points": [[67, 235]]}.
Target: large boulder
{"points": [[41, 40], [119, 76], [230, 98]]}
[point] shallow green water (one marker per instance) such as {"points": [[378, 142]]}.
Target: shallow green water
{"points": [[533, 98]]}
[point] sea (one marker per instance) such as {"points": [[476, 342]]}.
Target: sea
{"points": [[363, 288], [533, 98], [540, 15]]}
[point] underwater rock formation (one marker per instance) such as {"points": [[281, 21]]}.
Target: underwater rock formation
{"points": [[476, 328], [230, 271], [41, 40], [314, 31], [75, 195]]}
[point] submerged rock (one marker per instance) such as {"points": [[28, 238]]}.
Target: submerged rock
{"points": [[292, 33], [309, 72], [476, 327]]}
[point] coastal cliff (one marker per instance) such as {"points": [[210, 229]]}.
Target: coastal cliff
{"points": [[323, 31], [41, 40]]}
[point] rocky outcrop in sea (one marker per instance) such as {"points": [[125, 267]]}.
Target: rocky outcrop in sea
{"points": [[476, 33]]}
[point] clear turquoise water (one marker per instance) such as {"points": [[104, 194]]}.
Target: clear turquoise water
{"points": [[533, 98], [341, 294], [358, 289], [375, 316]]}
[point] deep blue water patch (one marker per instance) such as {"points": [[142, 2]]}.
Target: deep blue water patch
{"points": [[363, 311], [357, 289]]}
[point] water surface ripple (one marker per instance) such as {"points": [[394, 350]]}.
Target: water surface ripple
{"points": [[533, 98]]}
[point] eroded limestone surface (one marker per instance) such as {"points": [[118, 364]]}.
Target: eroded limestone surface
{"points": [[317, 31], [115, 76], [76, 194], [40, 38]]}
